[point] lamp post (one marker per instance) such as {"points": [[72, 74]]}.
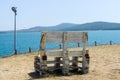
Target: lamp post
{"points": [[14, 9]]}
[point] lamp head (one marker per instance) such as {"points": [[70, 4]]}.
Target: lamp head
{"points": [[14, 9]]}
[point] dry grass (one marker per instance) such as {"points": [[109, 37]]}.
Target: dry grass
{"points": [[104, 65]]}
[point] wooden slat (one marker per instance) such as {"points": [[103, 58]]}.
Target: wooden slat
{"points": [[75, 53], [75, 36], [71, 36], [59, 53], [65, 69], [72, 67], [53, 68], [76, 61], [53, 62], [54, 53], [85, 65], [54, 36], [61, 62]]}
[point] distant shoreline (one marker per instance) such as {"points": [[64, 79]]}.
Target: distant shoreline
{"points": [[51, 30]]}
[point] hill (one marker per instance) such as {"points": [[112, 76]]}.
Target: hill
{"points": [[51, 28], [95, 26], [77, 27]]}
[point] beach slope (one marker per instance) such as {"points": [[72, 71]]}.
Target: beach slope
{"points": [[104, 65]]}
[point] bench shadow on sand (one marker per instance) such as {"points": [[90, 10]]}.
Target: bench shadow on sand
{"points": [[35, 75]]}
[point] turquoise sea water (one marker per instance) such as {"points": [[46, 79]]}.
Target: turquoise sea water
{"points": [[32, 40]]}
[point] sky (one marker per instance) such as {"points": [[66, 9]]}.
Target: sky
{"points": [[31, 13]]}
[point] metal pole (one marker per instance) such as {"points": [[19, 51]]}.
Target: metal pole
{"points": [[95, 43], [110, 42], [14, 9], [78, 44], [15, 50], [60, 46]]}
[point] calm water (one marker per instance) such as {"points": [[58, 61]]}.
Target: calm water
{"points": [[32, 40]]}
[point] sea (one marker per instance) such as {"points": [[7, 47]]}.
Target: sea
{"points": [[31, 40]]}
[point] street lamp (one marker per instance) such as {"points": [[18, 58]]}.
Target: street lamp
{"points": [[14, 9]]}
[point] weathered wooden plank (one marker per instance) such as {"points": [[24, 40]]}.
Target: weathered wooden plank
{"points": [[50, 68], [65, 69], [75, 67], [54, 53], [61, 62], [59, 53], [85, 65], [43, 41], [53, 62], [54, 36], [71, 36], [75, 36], [75, 53]]}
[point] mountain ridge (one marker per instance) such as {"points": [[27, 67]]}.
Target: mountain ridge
{"points": [[98, 25]]}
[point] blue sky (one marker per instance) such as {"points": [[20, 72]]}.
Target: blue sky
{"points": [[52, 12]]}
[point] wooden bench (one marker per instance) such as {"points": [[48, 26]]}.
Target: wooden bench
{"points": [[62, 56]]}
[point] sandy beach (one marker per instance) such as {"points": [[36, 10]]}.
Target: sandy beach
{"points": [[104, 65]]}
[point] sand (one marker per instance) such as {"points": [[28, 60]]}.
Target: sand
{"points": [[104, 65]]}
